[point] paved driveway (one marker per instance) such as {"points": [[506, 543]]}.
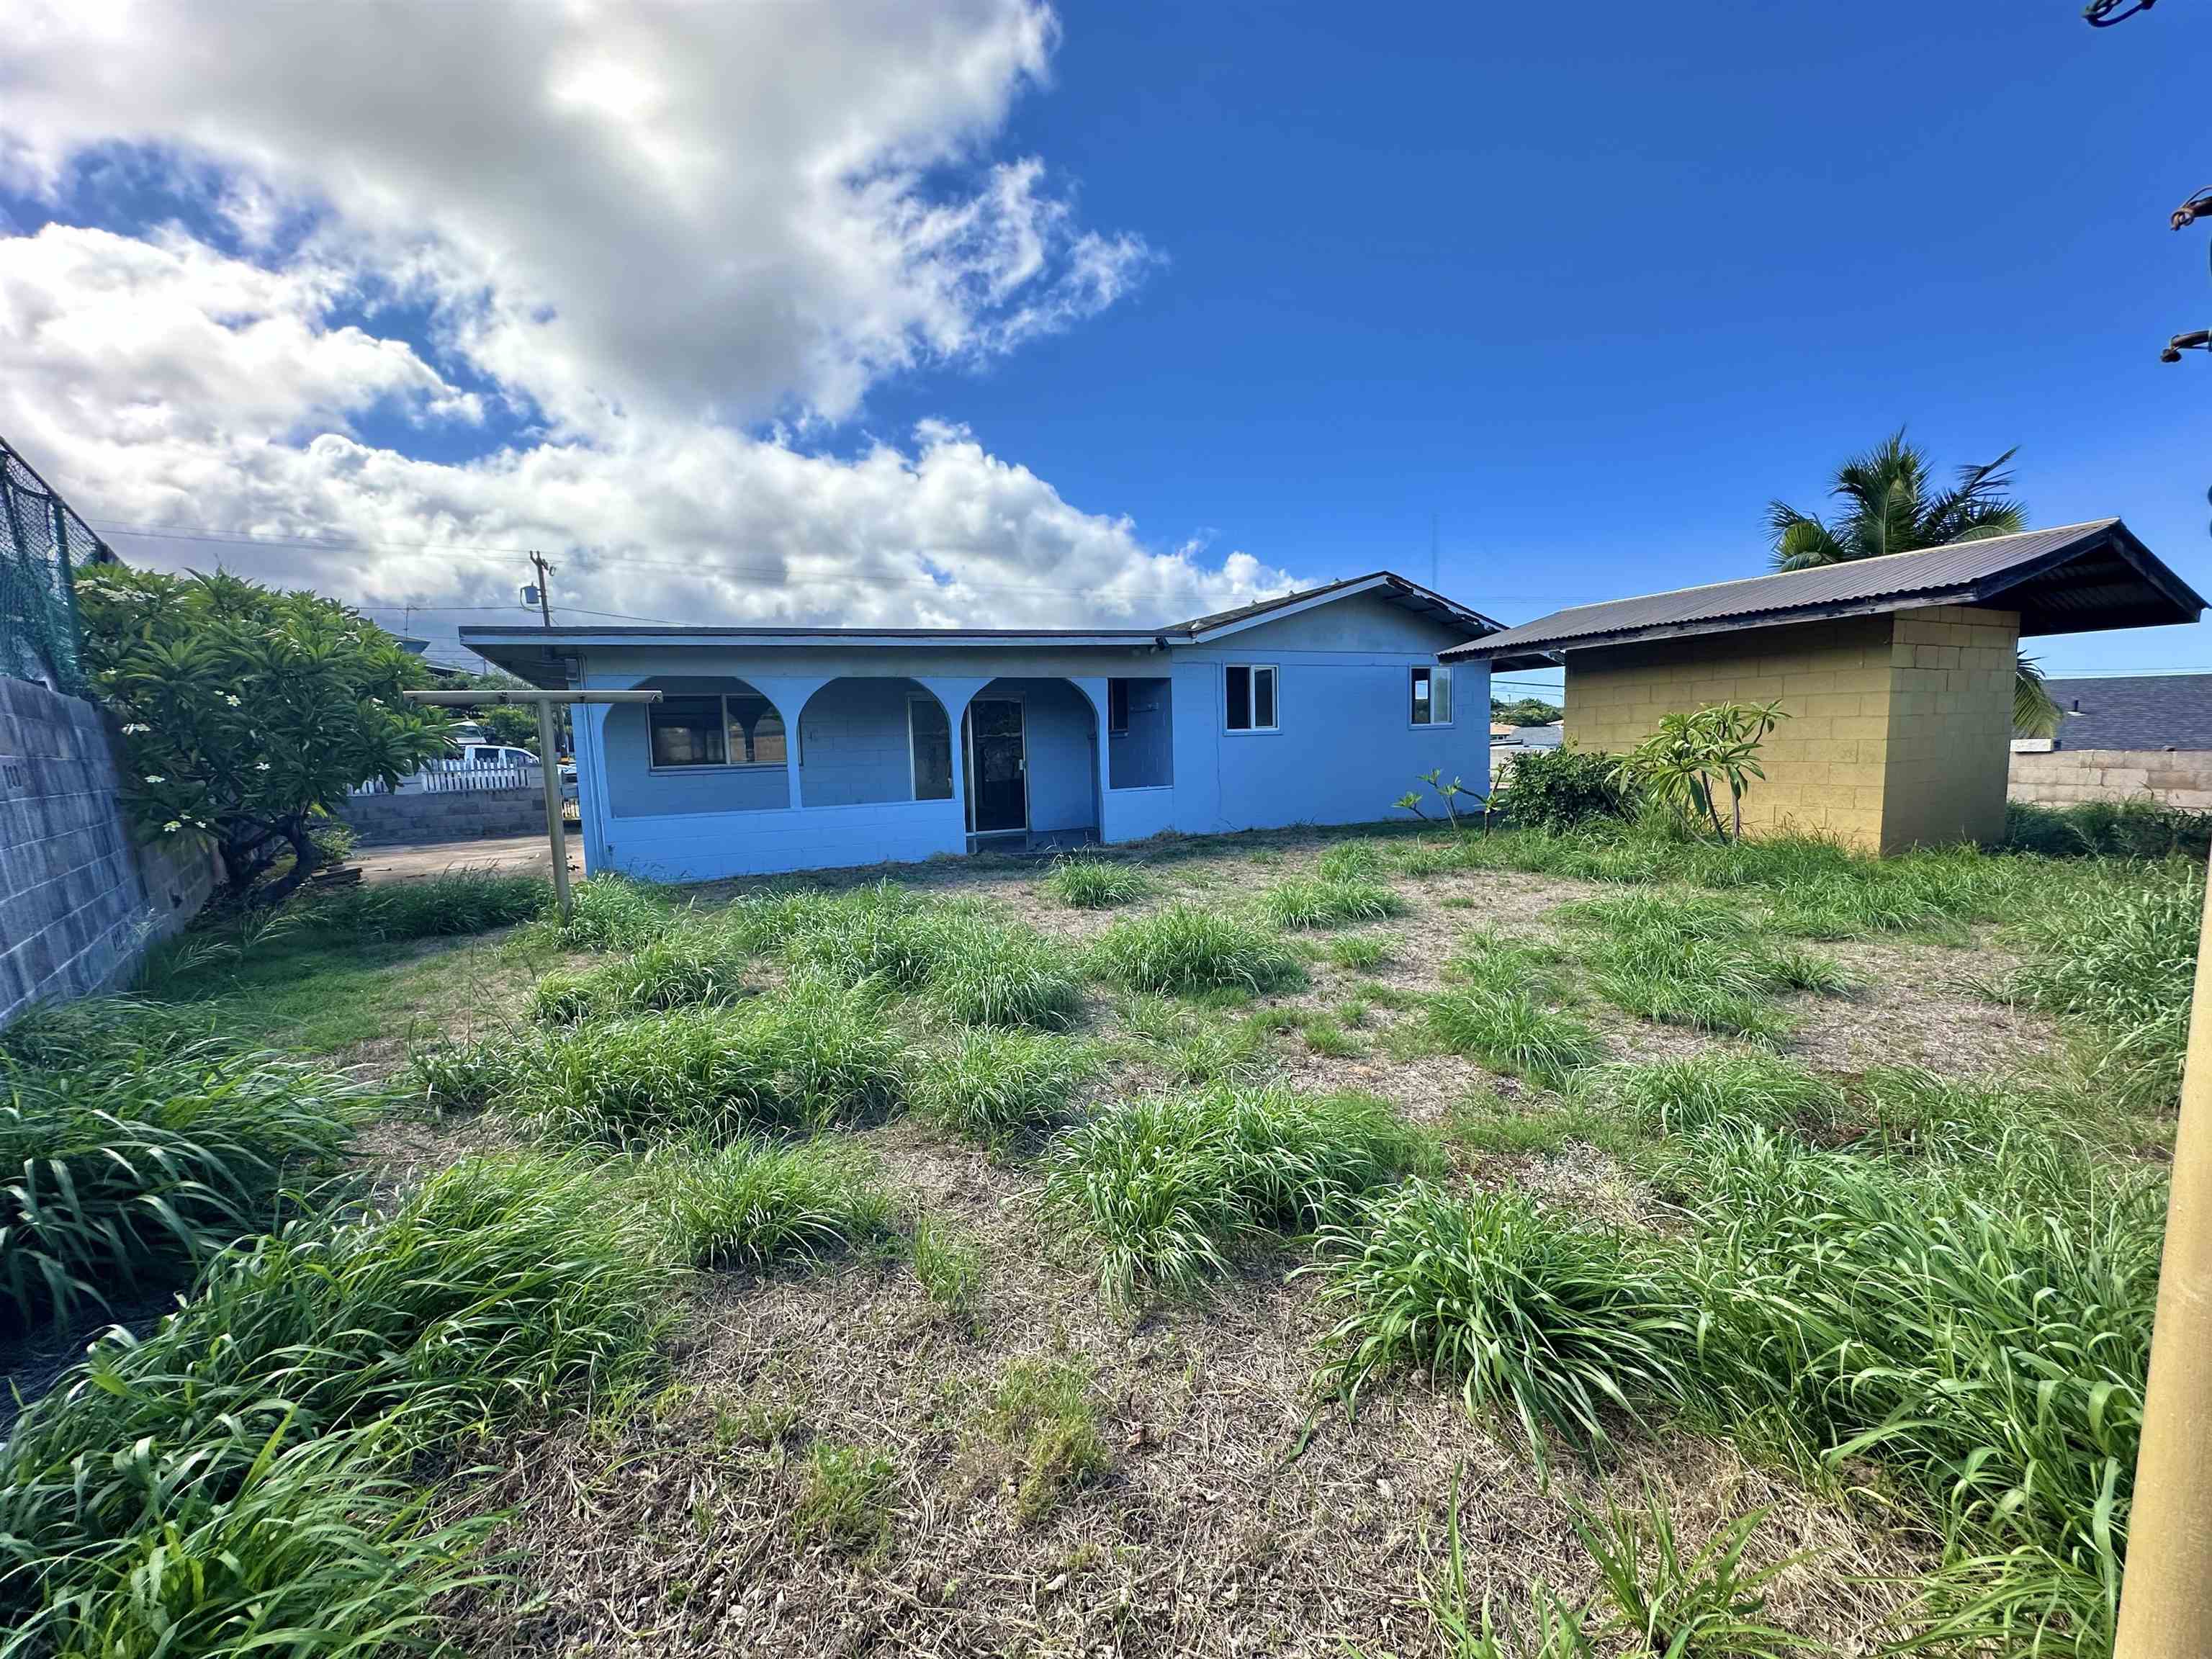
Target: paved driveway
{"points": [[413, 861]]}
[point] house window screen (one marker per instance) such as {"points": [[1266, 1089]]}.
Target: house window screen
{"points": [[1432, 697], [1117, 708], [1249, 696], [688, 732], [930, 736], [756, 732]]}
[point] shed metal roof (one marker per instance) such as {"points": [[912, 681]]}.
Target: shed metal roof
{"points": [[2071, 579]]}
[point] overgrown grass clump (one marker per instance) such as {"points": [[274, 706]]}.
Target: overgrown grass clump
{"points": [[1496, 1008], [613, 913], [816, 1054], [1093, 884], [1166, 1189], [750, 1204], [1682, 1096], [843, 1497], [1195, 1045], [1542, 1321], [992, 1085], [1183, 948], [249, 1468], [689, 966], [1697, 962], [455, 902], [136, 1151], [972, 966], [1329, 902]]}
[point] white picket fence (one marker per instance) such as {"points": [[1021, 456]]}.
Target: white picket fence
{"points": [[451, 780]]}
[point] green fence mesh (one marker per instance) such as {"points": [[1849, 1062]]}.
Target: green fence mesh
{"points": [[41, 542]]}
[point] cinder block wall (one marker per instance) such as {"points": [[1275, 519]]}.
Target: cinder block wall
{"points": [[2063, 776], [456, 815], [1899, 728], [79, 899]]}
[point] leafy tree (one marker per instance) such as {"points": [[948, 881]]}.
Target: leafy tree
{"points": [[1891, 505], [1526, 711], [247, 714], [1682, 764]]}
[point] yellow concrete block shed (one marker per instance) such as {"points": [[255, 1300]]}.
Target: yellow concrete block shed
{"points": [[1896, 672]]}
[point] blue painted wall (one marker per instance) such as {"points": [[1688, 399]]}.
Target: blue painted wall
{"points": [[635, 789], [1344, 750], [1143, 757]]}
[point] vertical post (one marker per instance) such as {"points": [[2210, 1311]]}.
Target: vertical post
{"points": [[556, 832], [2165, 1604]]}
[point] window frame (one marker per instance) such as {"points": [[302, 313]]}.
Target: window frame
{"points": [[1117, 684], [686, 769], [1414, 673], [1252, 673], [915, 699]]}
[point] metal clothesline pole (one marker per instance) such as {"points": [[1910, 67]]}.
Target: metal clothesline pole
{"points": [[556, 831]]}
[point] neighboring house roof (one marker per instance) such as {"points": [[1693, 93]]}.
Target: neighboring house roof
{"points": [[511, 646], [2135, 711], [2073, 579]]}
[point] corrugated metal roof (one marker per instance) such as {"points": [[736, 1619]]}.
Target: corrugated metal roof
{"points": [[2117, 583]]}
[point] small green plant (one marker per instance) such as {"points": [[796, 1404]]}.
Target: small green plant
{"points": [[1447, 794], [751, 1204], [1195, 1046], [1681, 1096], [1093, 884], [1166, 1189], [996, 1084], [949, 1264], [613, 913], [1329, 902], [1706, 1605], [1557, 1630], [1544, 1321], [1696, 962], [1358, 952], [843, 1500], [1512, 1031], [1184, 948], [1557, 789], [455, 902], [1683, 764], [1040, 1411]]}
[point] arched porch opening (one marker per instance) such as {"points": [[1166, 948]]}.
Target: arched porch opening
{"points": [[1031, 752], [711, 744], [865, 739]]}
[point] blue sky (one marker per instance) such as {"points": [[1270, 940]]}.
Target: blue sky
{"points": [[1582, 286]]}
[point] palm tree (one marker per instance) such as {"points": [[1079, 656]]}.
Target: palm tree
{"points": [[1892, 507]]}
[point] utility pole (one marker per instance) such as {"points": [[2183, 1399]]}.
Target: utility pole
{"points": [[545, 592]]}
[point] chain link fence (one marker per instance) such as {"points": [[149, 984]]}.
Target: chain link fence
{"points": [[42, 542]]}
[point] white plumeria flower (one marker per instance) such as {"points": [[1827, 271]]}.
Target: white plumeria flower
{"points": [[155, 777], [232, 701], [135, 727], [171, 827], [261, 766]]}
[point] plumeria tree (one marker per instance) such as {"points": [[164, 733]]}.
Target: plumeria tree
{"points": [[247, 713]]}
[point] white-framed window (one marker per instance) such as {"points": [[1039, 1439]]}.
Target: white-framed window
{"points": [[1249, 696], [1117, 709], [1432, 704], [736, 728]]}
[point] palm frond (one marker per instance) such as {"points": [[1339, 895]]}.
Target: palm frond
{"points": [[2034, 714], [1800, 540]]}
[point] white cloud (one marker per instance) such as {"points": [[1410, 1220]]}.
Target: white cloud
{"points": [[658, 227]]}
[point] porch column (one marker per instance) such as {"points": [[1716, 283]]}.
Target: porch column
{"points": [[1095, 690], [789, 696], [956, 694]]}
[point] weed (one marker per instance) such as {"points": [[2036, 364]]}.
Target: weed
{"points": [[1513, 1032], [1358, 951], [751, 1204], [1166, 1188], [1329, 902], [1546, 1322], [1468, 1628], [613, 913], [989, 973], [1681, 1096], [1183, 948], [1705, 1606], [949, 1264], [455, 902], [1354, 860], [995, 1084], [1093, 884], [132, 1166], [974, 968], [687, 967], [1696, 962], [1194, 1045], [842, 1502], [1040, 1411]]}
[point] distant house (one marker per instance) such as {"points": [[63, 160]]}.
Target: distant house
{"points": [[2121, 735], [1896, 672], [790, 748]]}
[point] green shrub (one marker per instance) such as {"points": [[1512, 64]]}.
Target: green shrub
{"points": [[1543, 1319], [1183, 948], [1358, 951], [1558, 788], [844, 1501], [748, 1204], [497, 1290], [1329, 902], [1711, 1602], [1040, 1411], [128, 1168], [1093, 884], [994, 1084], [1166, 1188], [470, 1077]]}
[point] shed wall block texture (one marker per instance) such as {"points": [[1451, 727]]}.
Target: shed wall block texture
{"points": [[1900, 725], [2065, 777], [457, 815], [80, 899]]}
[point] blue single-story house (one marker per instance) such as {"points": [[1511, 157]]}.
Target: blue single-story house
{"points": [[776, 749]]}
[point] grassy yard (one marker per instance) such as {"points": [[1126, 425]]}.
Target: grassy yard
{"points": [[1380, 1242]]}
